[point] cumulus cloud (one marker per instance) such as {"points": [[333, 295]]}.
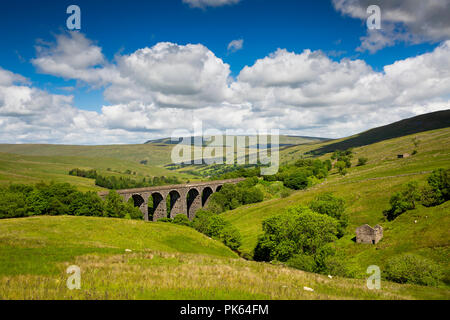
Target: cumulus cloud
{"points": [[209, 3], [412, 21], [154, 91], [235, 45], [171, 75], [73, 56]]}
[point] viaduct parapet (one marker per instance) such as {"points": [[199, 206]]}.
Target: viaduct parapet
{"points": [[184, 198]]}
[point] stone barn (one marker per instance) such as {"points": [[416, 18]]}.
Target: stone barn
{"points": [[367, 234]]}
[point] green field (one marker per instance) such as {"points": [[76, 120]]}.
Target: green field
{"points": [[166, 262], [18, 168]]}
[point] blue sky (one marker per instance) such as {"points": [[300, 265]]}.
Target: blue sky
{"points": [[120, 28]]}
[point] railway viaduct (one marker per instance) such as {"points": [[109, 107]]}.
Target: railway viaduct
{"points": [[184, 198]]}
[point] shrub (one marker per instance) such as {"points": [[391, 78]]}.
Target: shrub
{"points": [[251, 195], [285, 193], [428, 197], [231, 237], [296, 180], [328, 165], [12, 205], [362, 161], [438, 189], [403, 200], [182, 220], [341, 167], [165, 219], [302, 262], [215, 226], [116, 208], [86, 204], [409, 268]]}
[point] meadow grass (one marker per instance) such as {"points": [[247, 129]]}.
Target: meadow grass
{"points": [[161, 275]]}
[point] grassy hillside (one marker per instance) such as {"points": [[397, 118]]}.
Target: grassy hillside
{"points": [[367, 190], [16, 168], [155, 154], [166, 262], [421, 123]]}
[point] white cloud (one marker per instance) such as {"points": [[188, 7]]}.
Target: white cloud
{"points": [[171, 75], [412, 21], [235, 45], [209, 3], [73, 56], [154, 91]]}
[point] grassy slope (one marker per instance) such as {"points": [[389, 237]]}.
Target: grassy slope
{"points": [[414, 125], [166, 262], [367, 190], [155, 154], [32, 169]]}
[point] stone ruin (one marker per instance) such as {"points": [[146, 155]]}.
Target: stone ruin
{"points": [[367, 234]]}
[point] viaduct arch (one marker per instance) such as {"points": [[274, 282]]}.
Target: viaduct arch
{"points": [[184, 198]]}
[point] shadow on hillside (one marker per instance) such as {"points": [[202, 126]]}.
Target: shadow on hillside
{"points": [[425, 122]]}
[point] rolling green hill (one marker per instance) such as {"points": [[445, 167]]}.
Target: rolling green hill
{"points": [[156, 155], [166, 261], [421, 123], [16, 168], [28, 163]]}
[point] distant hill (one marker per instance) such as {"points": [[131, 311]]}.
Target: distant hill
{"points": [[285, 140], [424, 122]]}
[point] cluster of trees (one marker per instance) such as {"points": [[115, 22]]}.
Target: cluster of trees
{"points": [[344, 160], [231, 196], [116, 183], [302, 174], [212, 225], [61, 199], [303, 237], [436, 192], [296, 176]]}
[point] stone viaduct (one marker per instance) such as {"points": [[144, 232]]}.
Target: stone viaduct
{"points": [[184, 198]]}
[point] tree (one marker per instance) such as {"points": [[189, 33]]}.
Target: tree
{"points": [[341, 167], [439, 186], [297, 180], [12, 205], [115, 207], [297, 231], [251, 195], [362, 161], [182, 220], [332, 206], [215, 226], [403, 200]]}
